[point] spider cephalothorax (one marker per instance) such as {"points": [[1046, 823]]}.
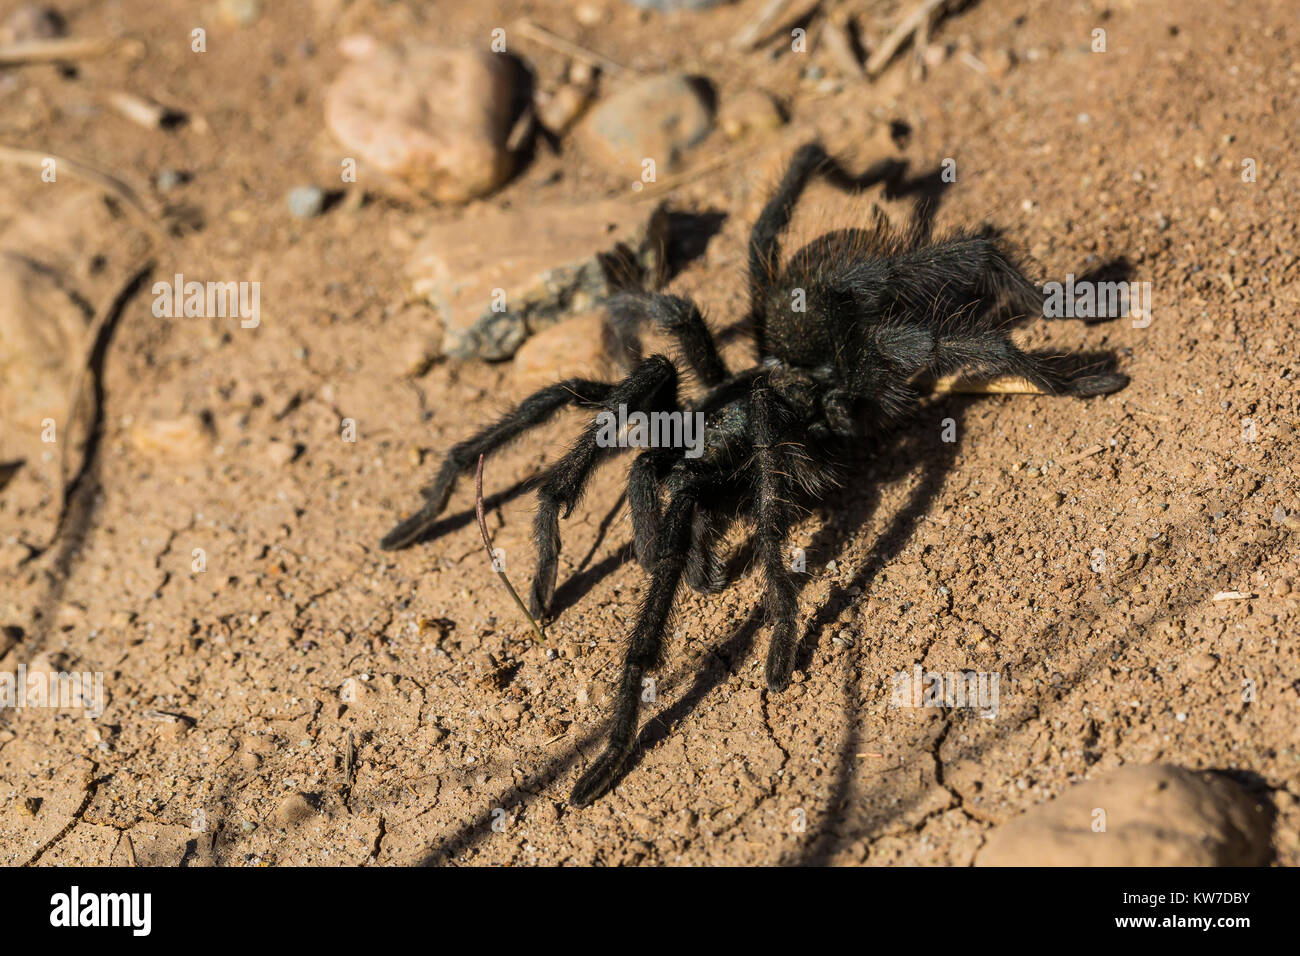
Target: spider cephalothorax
{"points": [[842, 328]]}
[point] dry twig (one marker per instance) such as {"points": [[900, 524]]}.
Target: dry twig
{"points": [[487, 543]]}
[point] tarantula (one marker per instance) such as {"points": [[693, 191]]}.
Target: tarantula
{"points": [[878, 310]]}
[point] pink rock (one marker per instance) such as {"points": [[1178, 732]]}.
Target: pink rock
{"points": [[436, 118]]}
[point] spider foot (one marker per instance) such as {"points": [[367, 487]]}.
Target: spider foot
{"points": [[600, 776], [1098, 384], [780, 657]]}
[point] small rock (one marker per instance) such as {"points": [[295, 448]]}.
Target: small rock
{"points": [[32, 21], [292, 809], [239, 13], [1157, 815], [1000, 62], [573, 349], [658, 119], [282, 453], [512, 711], [753, 111], [935, 54], [419, 356], [169, 179], [187, 437], [1282, 587], [306, 202], [433, 117], [30, 806], [562, 108], [500, 276]]}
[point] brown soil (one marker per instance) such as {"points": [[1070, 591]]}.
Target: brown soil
{"points": [[302, 639]]}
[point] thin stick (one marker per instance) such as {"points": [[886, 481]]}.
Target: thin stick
{"points": [[1079, 456], [53, 50], [567, 47], [487, 543], [920, 14]]}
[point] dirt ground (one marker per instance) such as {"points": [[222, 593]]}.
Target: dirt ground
{"points": [[310, 699]]}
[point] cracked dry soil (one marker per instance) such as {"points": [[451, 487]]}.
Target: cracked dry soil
{"points": [[310, 699]]}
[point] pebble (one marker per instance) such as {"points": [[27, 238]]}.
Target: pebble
{"points": [[293, 809], [563, 107], [168, 179], [306, 202], [32, 21], [186, 437], [1000, 62], [660, 118], [420, 354], [239, 13], [753, 111], [436, 118], [281, 453]]}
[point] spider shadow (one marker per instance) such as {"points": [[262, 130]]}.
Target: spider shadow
{"points": [[886, 465]]}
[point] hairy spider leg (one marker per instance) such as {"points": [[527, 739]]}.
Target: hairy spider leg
{"points": [[645, 646], [531, 412], [651, 387], [679, 317], [774, 515]]}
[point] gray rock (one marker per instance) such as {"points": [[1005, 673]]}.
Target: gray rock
{"points": [[306, 202], [501, 276], [169, 179]]}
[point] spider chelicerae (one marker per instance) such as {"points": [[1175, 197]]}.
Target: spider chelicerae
{"points": [[841, 330]]}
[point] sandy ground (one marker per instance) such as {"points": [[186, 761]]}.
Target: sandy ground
{"points": [[399, 695]]}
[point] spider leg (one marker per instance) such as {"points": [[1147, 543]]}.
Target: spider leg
{"points": [[643, 652], [704, 569], [774, 519], [765, 238], [675, 315], [993, 354], [643, 502], [652, 386], [532, 411]]}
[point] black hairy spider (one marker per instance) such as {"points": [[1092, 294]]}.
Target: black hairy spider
{"points": [[878, 311]]}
